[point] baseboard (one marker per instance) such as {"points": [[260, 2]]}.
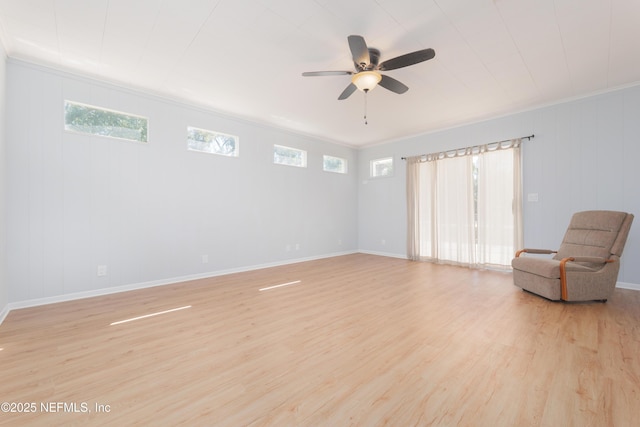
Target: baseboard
{"points": [[4, 313], [387, 254], [132, 287], [632, 286]]}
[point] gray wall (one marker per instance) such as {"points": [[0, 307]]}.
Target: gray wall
{"points": [[149, 212], [584, 156], [4, 289]]}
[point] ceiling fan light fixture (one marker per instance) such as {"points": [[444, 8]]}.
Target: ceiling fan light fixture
{"points": [[366, 80]]}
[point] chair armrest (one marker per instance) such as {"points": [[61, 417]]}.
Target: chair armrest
{"points": [[535, 251], [563, 276], [591, 259], [563, 268]]}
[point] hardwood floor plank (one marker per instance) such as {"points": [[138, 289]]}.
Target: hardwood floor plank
{"points": [[360, 340]]}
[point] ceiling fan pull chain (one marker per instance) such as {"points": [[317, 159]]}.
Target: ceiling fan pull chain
{"points": [[365, 108]]}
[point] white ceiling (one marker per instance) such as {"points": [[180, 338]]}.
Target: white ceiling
{"points": [[245, 57]]}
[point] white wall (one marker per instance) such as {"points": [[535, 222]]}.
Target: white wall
{"points": [[584, 156], [4, 289], [149, 212]]}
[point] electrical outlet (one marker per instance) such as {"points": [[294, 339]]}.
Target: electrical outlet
{"points": [[102, 270], [205, 259]]}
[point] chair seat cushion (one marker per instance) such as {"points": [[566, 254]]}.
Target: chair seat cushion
{"points": [[545, 267]]}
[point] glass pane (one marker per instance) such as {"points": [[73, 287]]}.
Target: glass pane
{"points": [[211, 142], [334, 164], [289, 156], [382, 167], [97, 121]]}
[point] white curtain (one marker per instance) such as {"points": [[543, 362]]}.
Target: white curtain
{"points": [[499, 204], [413, 209], [454, 211], [464, 207]]}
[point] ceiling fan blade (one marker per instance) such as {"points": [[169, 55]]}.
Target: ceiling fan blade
{"points": [[347, 92], [359, 51], [326, 73], [393, 85], [407, 59]]}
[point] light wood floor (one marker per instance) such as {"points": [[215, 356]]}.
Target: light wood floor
{"points": [[362, 340]]}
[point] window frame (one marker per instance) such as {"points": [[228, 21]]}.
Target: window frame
{"points": [[345, 164], [236, 151], [302, 152], [372, 168], [107, 110]]}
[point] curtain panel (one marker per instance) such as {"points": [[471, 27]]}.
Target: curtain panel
{"points": [[464, 207]]}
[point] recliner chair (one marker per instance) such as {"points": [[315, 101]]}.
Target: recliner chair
{"points": [[586, 265]]}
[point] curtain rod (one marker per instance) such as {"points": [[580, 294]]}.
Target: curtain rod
{"points": [[496, 142]]}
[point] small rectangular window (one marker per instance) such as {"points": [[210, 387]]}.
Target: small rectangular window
{"points": [[207, 141], [99, 121], [289, 156], [334, 164], [381, 167]]}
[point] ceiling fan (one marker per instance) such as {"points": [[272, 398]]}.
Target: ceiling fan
{"points": [[367, 74]]}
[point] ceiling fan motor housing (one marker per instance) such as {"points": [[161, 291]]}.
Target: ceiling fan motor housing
{"points": [[374, 58]]}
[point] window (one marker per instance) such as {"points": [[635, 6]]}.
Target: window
{"points": [[207, 141], [289, 156], [334, 164], [381, 167], [102, 122]]}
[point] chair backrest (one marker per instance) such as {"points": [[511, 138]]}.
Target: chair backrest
{"points": [[596, 233]]}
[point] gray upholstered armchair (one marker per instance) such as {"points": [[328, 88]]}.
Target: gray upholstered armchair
{"points": [[586, 265]]}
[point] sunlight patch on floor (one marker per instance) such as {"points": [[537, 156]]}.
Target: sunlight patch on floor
{"points": [[279, 286], [150, 315]]}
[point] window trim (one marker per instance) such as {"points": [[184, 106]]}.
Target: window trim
{"points": [[345, 162], [304, 156], [109, 110], [372, 169], [235, 137]]}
